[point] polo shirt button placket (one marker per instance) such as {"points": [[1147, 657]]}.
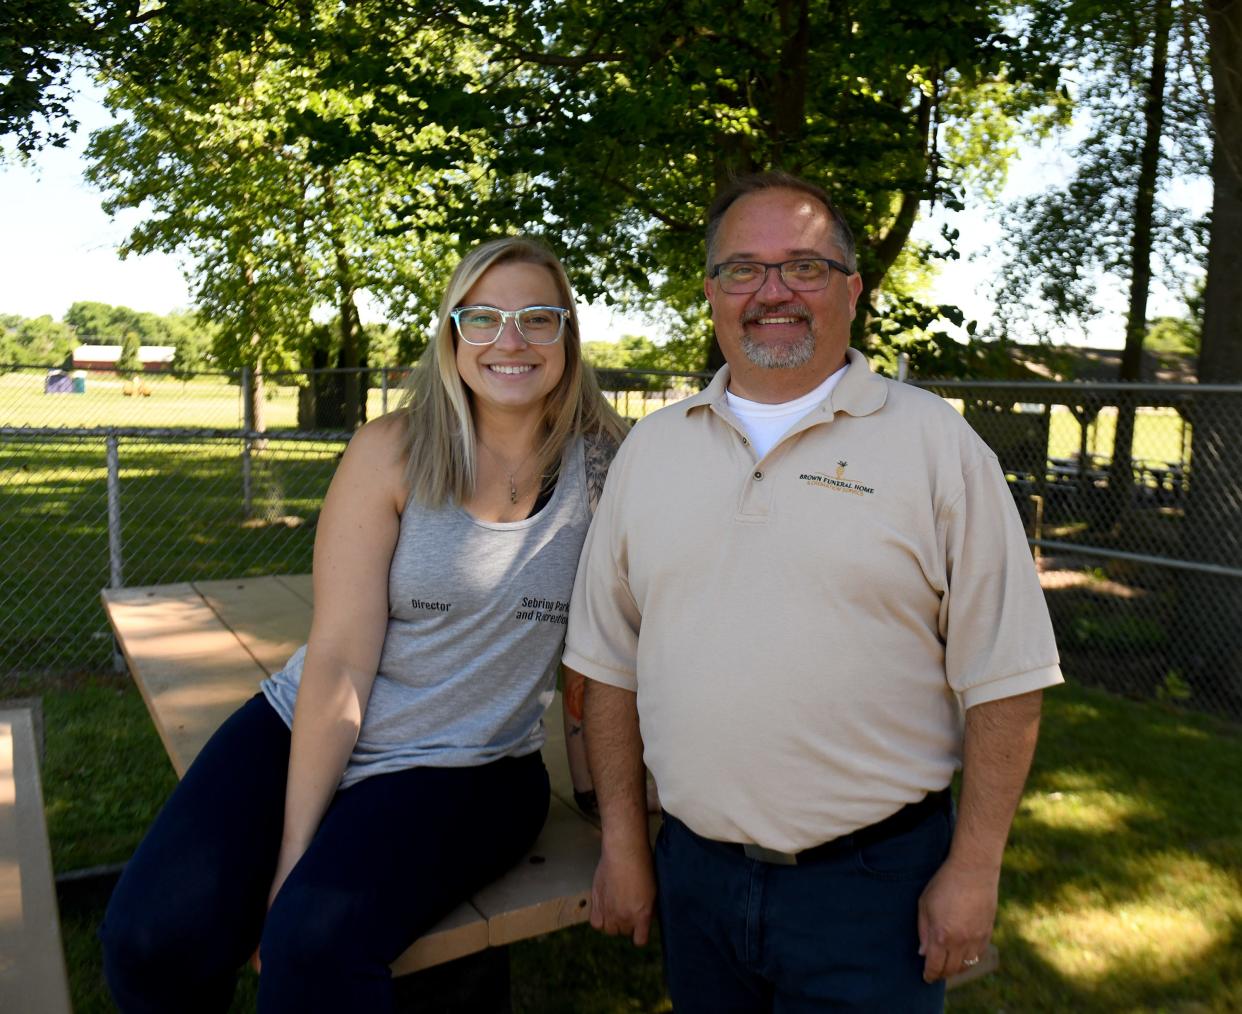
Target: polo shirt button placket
{"points": [[758, 475]]}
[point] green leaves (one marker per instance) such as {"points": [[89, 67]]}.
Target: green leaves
{"points": [[605, 129]]}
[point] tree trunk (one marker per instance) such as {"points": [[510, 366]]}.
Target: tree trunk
{"points": [[348, 323], [1220, 358], [1121, 473], [253, 394], [1210, 634]]}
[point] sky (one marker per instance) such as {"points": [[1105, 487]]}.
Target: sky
{"points": [[59, 246]]}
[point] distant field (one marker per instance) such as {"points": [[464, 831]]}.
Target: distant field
{"points": [[205, 402], [1159, 434]]}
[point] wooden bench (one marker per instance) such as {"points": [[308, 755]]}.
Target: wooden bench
{"points": [[32, 963], [198, 651]]}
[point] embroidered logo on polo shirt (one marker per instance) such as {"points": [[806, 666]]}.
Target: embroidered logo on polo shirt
{"points": [[837, 481]]}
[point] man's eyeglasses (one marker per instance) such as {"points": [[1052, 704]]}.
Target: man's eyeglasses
{"points": [[481, 325], [805, 274]]}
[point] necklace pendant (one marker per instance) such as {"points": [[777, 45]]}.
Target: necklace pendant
{"points": [[512, 491]]}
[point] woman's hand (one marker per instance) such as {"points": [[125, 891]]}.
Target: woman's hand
{"points": [[285, 863]]}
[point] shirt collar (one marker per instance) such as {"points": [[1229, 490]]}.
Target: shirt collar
{"points": [[860, 392]]}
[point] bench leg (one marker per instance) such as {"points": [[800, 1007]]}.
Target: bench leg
{"points": [[478, 982]]}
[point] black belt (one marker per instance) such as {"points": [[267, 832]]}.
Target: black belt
{"points": [[905, 819]]}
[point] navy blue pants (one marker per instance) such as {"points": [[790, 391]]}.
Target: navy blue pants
{"points": [[392, 855], [838, 934]]}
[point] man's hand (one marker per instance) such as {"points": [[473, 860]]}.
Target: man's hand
{"points": [[958, 906], [623, 894], [956, 914]]}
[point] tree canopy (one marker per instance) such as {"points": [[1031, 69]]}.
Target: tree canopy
{"points": [[1141, 113], [279, 142]]}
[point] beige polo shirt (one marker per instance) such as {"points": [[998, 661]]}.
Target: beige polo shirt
{"points": [[803, 630]]}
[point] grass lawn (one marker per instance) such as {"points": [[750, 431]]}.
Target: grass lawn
{"points": [[1122, 888], [181, 520], [1158, 434]]}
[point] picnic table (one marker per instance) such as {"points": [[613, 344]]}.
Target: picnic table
{"points": [[198, 651]]}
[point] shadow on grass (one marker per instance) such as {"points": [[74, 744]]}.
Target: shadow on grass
{"points": [[1123, 881]]}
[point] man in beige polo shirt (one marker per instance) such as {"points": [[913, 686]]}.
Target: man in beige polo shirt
{"points": [[805, 601]]}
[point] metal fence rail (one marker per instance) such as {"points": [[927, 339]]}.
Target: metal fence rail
{"points": [[1140, 553]]}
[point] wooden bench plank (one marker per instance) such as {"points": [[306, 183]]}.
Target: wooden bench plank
{"points": [[550, 888], [268, 617], [191, 669], [300, 584], [463, 931], [555, 759], [32, 963]]}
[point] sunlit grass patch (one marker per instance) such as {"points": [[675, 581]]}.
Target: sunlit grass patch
{"points": [[1182, 911], [1089, 809]]}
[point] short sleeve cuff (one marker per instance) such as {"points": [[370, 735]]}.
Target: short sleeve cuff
{"points": [[1012, 686], [593, 670]]}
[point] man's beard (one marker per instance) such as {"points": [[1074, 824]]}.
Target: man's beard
{"points": [[783, 356]]}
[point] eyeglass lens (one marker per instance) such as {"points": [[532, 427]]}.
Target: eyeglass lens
{"points": [[799, 275], [483, 324]]}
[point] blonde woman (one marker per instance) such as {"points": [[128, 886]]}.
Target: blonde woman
{"points": [[392, 767]]}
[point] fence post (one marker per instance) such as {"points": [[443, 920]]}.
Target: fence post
{"points": [[248, 425], [384, 391], [903, 366], [115, 561], [116, 574]]}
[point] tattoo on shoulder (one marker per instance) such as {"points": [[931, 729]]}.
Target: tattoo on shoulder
{"points": [[599, 452]]}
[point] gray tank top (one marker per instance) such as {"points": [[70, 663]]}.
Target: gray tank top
{"points": [[476, 616]]}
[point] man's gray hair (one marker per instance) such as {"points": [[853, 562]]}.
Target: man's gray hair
{"points": [[741, 186]]}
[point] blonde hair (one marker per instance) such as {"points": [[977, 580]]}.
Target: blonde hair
{"points": [[440, 440]]}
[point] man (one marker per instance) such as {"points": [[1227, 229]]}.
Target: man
{"points": [[796, 583]]}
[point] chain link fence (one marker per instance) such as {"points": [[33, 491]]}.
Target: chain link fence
{"points": [[1131, 495], [1140, 554]]}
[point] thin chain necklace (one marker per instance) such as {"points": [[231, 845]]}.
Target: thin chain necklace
{"points": [[513, 490]]}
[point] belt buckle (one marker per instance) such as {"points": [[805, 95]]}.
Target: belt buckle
{"points": [[770, 855]]}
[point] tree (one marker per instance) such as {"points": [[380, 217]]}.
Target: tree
{"points": [[1146, 126], [129, 362], [207, 147], [42, 341], [609, 127], [1220, 361], [37, 38], [1210, 632], [605, 128]]}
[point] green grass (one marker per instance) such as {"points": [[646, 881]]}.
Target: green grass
{"points": [[181, 520], [1158, 435], [1122, 888], [205, 402]]}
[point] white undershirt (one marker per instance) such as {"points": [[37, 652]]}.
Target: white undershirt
{"points": [[765, 424]]}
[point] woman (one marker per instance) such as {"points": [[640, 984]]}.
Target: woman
{"points": [[392, 767]]}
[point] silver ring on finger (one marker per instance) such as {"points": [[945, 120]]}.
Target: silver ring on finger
{"points": [[970, 962]]}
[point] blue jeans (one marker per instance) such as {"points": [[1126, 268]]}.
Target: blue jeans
{"points": [[392, 855], [839, 933]]}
